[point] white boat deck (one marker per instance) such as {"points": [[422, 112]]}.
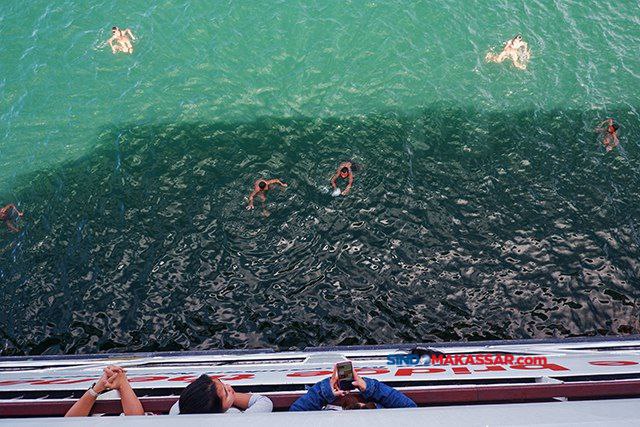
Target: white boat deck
{"points": [[622, 412], [606, 371]]}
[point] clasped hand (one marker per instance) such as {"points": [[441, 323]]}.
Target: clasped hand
{"points": [[113, 377]]}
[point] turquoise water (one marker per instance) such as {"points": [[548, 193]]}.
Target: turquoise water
{"points": [[486, 207]]}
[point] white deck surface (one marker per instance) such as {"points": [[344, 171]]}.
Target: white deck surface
{"points": [[622, 412]]}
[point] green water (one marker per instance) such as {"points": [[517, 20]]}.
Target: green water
{"points": [[241, 60], [486, 207]]}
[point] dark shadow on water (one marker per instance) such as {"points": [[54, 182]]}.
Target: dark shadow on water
{"points": [[462, 225]]}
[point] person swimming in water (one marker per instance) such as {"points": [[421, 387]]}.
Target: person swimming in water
{"points": [[120, 40], [515, 49], [609, 128], [260, 187], [344, 171], [5, 216]]}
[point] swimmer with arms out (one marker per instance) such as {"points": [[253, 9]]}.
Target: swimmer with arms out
{"points": [[260, 187], [610, 129], [120, 41], [344, 171], [516, 50], [5, 216]]}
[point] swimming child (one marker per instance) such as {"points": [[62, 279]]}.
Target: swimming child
{"points": [[260, 187], [609, 128], [120, 41], [5, 216], [515, 49], [344, 171]]}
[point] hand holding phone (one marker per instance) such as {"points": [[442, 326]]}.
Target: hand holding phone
{"points": [[358, 382]]}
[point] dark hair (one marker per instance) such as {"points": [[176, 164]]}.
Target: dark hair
{"points": [[200, 397], [114, 28], [351, 402], [615, 127], [262, 185], [344, 169]]}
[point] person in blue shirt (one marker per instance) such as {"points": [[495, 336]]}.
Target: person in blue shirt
{"points": [[373, 394]]}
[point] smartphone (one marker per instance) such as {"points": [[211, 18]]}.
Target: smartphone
{"points": [[345, 376]]}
